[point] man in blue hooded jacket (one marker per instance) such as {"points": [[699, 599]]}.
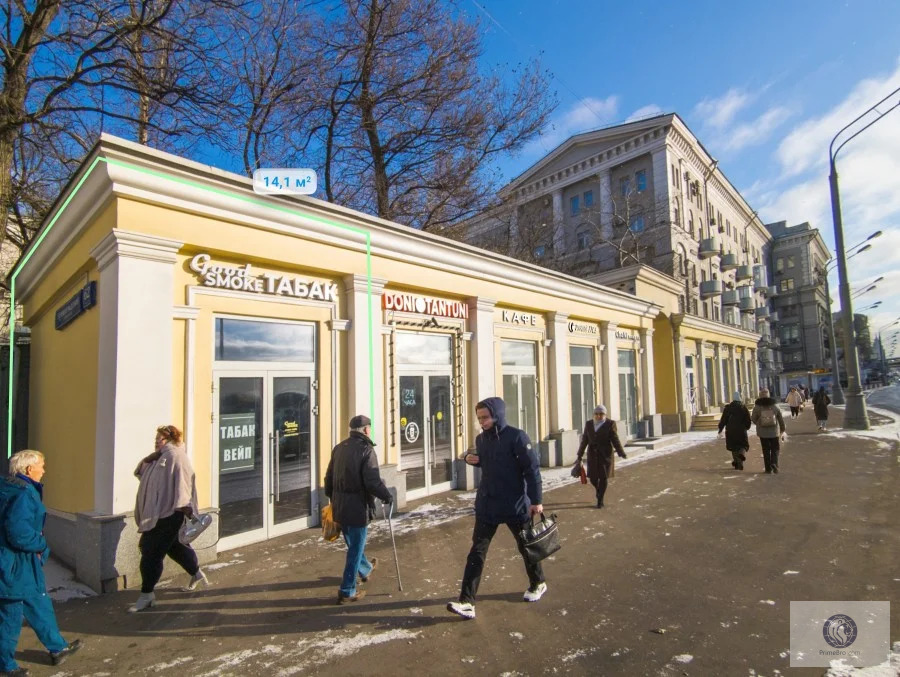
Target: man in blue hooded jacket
{"points": [[509, 493]]}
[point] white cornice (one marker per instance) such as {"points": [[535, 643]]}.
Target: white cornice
{"points": [[702, 324], [135, 172], [127, 244]]}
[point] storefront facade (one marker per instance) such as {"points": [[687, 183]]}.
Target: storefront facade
{"points": [[260, 325]]}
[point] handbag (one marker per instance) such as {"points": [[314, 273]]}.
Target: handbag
{"points": [[540, 540], [330, 529], [583, 475], [193, 527]]}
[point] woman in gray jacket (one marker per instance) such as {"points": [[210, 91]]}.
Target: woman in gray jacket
{"points": [[167, 494]]}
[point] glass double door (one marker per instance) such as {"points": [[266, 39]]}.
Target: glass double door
{"points": [[628, 394], [426, 433], [264, 423], [520, 395]]}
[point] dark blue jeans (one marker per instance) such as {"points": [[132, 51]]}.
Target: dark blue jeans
{"points": [[357, 564], [38, 611]]}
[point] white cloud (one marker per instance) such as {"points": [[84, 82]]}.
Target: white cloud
{"points": [[587, 113], [755, 132], [645, 111], [721, 127], [806, 146], [719, 113]]}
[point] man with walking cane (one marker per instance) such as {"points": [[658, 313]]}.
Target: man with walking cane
{"points": [[509, 493], [352, 482]]}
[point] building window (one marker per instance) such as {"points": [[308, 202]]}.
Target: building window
{"points": [[787, 285], [674, 177], [540, 251], [573, 205], [584, 239], [637, 224], [641, 180], [625, 186], [790, 261], [588, 198], [779, 264]]}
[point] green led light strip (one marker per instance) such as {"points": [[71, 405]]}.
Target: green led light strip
{"points": [[194, 184]]}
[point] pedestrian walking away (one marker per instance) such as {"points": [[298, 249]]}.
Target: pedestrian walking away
{"points": [[352, 483], [509, 493], [769, 428], [599, 438], [735, 421], [794, 400], [167, 495], [23, 554], [820, 407]]}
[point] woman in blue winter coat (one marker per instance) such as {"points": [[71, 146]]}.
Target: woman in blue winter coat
{"points": [[23, 553]]}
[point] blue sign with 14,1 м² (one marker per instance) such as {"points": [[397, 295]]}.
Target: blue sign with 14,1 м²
{"points": [[84, 299]]}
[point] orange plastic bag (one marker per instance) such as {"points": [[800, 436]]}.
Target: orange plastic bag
{"points": [[330, 529]]}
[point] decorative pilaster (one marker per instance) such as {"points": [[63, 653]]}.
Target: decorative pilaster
{"points": [[610, 360], [481, 367], [648, 378], [365, 355], [134, 379], [558, 372]]}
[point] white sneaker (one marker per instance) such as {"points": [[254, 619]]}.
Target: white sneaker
{"points": [[196, 580], [464, 609], [534, 594], [145, 601]]}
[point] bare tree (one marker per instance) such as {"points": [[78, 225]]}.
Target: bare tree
{"points": [[411, 124], [139, 67]]}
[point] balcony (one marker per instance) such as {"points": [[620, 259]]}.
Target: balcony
{"points": [[744, 273], [729, 262], [710, 289], [709, 247], [762, 312], [748, 305], [771, 291], [766, 355], [760, 275], [730, 298], [773, 316]]}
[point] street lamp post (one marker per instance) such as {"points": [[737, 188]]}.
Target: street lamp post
{"points": [[837, 391], [855, 416]]}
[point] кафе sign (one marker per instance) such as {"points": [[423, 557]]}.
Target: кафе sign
{"points": [[242, 279]]}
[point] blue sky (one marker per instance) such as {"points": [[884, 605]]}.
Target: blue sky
{"points": [[764, 85]]}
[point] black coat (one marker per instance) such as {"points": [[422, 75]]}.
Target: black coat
{"points": [[510, 472], [600, 445], [736, 422], [352, 481], [820, 405]]}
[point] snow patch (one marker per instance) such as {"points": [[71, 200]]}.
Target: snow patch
{"points": [[683, 658], [171, 664], [890, 668], [222, 565], [767, 601], [61, 583], [789, 572]]}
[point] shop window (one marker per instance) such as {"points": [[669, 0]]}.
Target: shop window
{"points": [[423, 348], [254, 341], [517, 353]]}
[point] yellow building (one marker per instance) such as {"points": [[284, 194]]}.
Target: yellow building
{"points": [[165, 291], [699, 362]]}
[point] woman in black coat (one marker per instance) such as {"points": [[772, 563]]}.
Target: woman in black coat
{"points": [[736, 422], [600, 437], [820, 406]]}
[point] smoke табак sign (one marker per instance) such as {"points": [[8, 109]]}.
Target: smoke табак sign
{"points": [[242, 279]]}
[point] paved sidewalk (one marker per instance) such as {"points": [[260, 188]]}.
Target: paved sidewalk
{"points": [[687, 545]]}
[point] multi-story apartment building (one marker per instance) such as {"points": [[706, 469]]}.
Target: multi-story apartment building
{"points": [[797, 257], [643, 194]]}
